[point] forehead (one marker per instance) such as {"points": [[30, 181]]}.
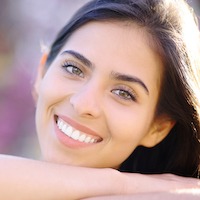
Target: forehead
{"points": [[122, 45]]}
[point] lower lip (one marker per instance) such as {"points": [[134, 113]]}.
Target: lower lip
{"points": [[69, 142]]}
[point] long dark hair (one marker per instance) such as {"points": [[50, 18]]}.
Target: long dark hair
{"points": [[168, 23]]}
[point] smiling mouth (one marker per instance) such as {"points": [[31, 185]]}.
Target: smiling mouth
{"points": [[75, 134]]}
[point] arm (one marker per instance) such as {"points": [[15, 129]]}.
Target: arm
{"points": [[23, 179], [158, 183], [178, 195], [154, 187], [29, 179]]}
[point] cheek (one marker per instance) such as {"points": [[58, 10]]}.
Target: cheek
{"points": [[56, 87], [47, 96], [51, 89], [130, 124]]}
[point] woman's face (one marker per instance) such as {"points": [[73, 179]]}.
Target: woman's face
{"points": [[97, 100]]}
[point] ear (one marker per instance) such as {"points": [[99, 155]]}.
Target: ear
{"points": [[158, 131], [40, 74]]}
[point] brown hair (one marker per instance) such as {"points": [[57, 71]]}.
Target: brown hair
{"points": [[172, 25]]}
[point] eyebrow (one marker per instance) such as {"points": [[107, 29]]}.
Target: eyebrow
{"points": [[128, 78], [114, 75], [79, 56]]}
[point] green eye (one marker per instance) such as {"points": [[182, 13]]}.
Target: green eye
{"points": [[73, 70], [127, 95]]}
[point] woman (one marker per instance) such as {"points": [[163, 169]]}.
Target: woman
{"points": [[119, 89]]}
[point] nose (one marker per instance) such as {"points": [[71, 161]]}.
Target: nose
{"points": [[86, 102]]}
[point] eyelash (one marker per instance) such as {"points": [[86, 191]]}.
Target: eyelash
{"points": [[131, 96], [69, 64]]}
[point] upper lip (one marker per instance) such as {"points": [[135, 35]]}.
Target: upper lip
{"points": [[78, 126]]}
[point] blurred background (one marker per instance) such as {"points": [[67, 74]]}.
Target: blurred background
{"points": [[23, 25]]}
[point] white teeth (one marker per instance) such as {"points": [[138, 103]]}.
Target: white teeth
{"points": [[88, 139], [60, 124], [92, 140], [82, 138], [74, 134], [69, 131], [63, 128]]}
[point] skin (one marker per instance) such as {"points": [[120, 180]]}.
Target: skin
{"points": [[30, 179], [23, 179], [90, 97], [192, 194]]}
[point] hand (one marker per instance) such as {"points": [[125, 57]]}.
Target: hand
{"points": [[182, 194], [153, 187], [139, 183]]}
